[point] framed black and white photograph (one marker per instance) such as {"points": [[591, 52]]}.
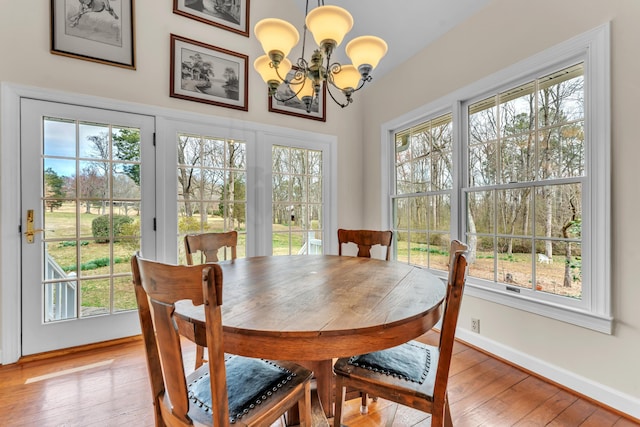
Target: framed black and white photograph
{"points": [[293, 106], [209, 74], [231, 15], [94, 30]]}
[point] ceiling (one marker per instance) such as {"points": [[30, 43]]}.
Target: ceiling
{"points": [[406, 25]]}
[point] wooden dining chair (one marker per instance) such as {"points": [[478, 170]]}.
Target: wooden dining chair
{"points": [[229, 389], [208, 245], [365, 239], [412, 374]]}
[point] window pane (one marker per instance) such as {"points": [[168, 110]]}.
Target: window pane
{"points": [[440, 212], [189, 150], [482, 262], [96, 297], [517, 159], [480, 212], [421, 175], [559, 211], [94, 141], [404, 178], [561, 96], [401, 213], [315, 189], [402, 245], [483, 164], [515, 262], [439, 245], [59, 137], [419, 249], [560, 274], [514, 211], [60, 220], [483, 124], [517, 110], [441, 175], [213, 154], [561, 151]]}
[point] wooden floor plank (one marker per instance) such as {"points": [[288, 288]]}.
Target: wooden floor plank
{"points": [[113, 390], [548, 410]]}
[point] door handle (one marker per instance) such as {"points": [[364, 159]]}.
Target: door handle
{"points": [[31, 232]]}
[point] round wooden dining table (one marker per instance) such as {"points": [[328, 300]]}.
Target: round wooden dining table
{"points": [[312, 309]]}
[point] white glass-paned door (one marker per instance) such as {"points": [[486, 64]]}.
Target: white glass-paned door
{"points": [[297, 227], [88, 190]]}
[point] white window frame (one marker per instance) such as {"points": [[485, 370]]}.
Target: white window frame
{"points": [[592, 48]]}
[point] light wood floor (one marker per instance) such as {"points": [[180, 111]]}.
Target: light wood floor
{"points": [[109, 387]]}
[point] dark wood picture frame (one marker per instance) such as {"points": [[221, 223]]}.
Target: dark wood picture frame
{"points": [[230, 15], [102, 31], [208, 74], [295, 107]]}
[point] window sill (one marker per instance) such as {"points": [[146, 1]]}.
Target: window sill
{"points": [[564, 314]]}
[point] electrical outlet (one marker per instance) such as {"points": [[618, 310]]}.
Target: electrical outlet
{"points": [[475, 325]]}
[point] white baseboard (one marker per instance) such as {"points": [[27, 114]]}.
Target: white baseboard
{"points": [[606, 395]]}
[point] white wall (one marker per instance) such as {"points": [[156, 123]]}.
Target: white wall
{"points": [[503, 33]]}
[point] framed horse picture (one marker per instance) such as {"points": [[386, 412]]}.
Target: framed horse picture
{"points": [[230, 15], [94, 30], [209, 74]]}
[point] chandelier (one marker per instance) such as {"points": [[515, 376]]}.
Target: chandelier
{"points": [[328, 25]]}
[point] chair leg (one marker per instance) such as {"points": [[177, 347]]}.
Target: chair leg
{"points": [[441, 414], [199, 356], [304, 407], [448, 422], [340, 395], [364, 406]]}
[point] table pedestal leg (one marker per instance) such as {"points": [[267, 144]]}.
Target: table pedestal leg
{"points": [[325, 384]]}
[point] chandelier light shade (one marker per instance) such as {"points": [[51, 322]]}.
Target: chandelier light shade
{"points": [[366, 51], [268, 72], [347, 78], [328, 25], [276, 36]]}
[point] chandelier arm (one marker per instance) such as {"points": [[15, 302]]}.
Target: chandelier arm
{"points": [[362, 82], [349, 100], [302, 81], [282, 79], [278, 98]]}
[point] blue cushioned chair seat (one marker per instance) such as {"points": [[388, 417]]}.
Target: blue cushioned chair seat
{"points": [[249, 383], [410, 361]]}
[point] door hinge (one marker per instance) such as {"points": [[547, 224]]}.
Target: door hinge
{"points": [[154, 139], [154, 224], [19, 228]]}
